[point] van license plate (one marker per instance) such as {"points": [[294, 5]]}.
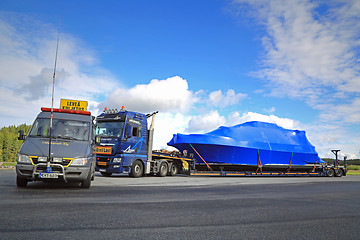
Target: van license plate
{"points": [[48, 175]]}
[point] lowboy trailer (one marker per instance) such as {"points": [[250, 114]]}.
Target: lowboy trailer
{"points": [[321, 170]]}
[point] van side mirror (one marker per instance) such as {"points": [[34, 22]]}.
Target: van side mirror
{"points": [[21, 135]]}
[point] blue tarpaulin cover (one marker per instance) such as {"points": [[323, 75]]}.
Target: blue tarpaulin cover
{"points": [[247, 143]]}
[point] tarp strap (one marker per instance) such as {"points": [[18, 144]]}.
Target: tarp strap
{"points": [[288, 170], [258, 162], [200, 157], [314, 165]]}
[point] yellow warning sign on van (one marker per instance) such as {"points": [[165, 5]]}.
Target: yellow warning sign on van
{"points": [[73, 105]]}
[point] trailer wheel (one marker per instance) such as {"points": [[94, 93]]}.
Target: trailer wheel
{"points": [[330, 172], [21, 182], [163, 170], [137, 169], [338, 173], [174, 169], [105, 174]]}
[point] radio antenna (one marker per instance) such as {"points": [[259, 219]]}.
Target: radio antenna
{"points": [[52, 99]]}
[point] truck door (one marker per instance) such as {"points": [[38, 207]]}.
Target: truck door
{"points": [[135, 141]]}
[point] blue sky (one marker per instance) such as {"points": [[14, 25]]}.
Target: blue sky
{"points": [[202, 64]]}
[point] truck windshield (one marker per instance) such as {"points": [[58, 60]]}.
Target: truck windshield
{"points": [[109, 129], [62, 129]]}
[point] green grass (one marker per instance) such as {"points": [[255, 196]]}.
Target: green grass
{"points": [[353, 172], [8, 164], [353, 167]]}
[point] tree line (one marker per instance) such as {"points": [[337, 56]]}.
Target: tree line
{"points": [[331, 161], [9, 144]]}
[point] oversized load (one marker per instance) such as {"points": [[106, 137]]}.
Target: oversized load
{"points": [[248, 146]]}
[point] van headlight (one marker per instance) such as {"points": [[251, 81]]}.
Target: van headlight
{"points": [[23, 159], [117, 160], [79, 161]]}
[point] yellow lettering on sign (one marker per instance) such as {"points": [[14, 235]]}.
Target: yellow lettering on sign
{"points": [[73, 105], [102, 150]]}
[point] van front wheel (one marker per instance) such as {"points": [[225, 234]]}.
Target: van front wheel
{"points": [[87, 182], [21, 182]]}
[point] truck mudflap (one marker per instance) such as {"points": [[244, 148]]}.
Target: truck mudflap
{"points": [[54, 171]]}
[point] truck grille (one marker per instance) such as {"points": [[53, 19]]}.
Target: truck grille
{"points": [[102, 162], [103, 159]]}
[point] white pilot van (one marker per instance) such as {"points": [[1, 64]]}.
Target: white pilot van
{"points": [[71, 158]]}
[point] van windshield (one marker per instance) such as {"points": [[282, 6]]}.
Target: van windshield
{"points": [[109, 129], [62, 129]]}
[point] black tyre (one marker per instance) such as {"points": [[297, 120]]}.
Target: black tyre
{"points": [[330, 172], [87, 182], [338, 173], [174, 169], [21, 182], [137, 169], [105, 174], [93, 175], [163, 170]]}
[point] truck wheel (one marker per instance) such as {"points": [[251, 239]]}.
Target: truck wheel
{"points": [[21, 182], [87, 182], [163, 170], [174, 169], [137, 169], [330, 172], [338, 173], [105, 174]]}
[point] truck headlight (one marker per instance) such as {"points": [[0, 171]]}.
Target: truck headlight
{"points": [[79, 161], [23, 159], [117, 160]]}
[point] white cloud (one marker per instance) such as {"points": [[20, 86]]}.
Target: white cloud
{"points": [[27, 54], [167, 124], [218, 99], [237, 118], [205, 122], [309, 55], [169, 95], [270, 110], [328, 136], [342, 112]]}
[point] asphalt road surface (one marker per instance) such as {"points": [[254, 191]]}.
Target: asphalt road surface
{"points": [[182, 207]]}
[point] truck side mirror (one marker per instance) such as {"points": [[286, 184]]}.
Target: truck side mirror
{"points": [[97, 140], [128, 132], [21, 135]]}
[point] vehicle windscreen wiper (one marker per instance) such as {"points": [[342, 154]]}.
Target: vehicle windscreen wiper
{"points": [[38, 136], [67, 138]]}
